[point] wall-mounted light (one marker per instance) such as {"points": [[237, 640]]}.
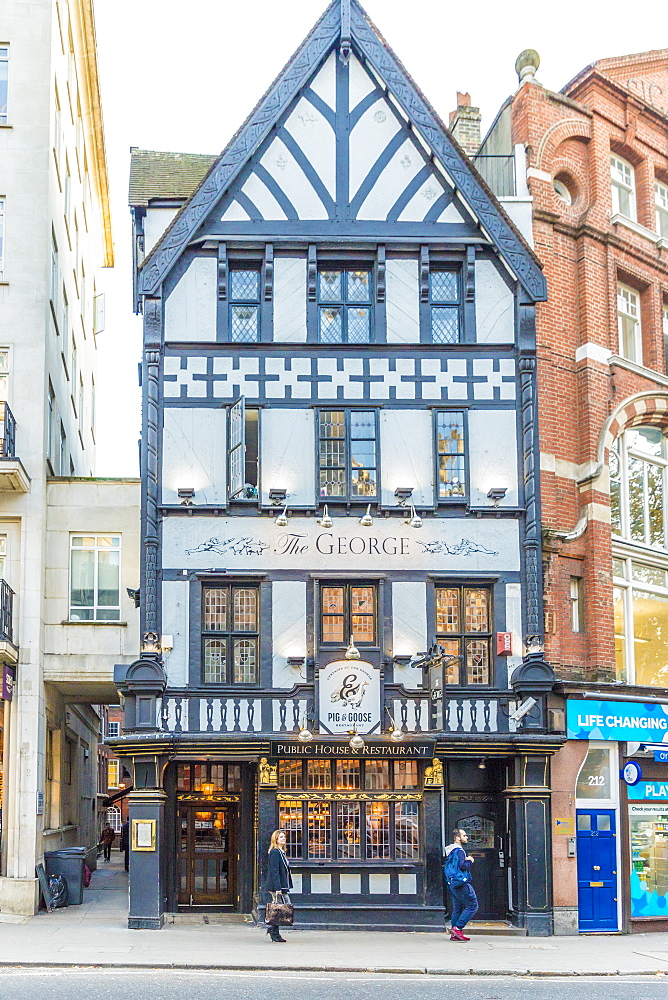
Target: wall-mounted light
{"points": [[167, 642], [396, 734], [356, 742], [325, 521], [207, 789], [304, 735], [296, 662], [282, 519], [352, 652], [414, 521], [277, 496], [496, 493], [403, 493], [366, 520], [185, 495], [482, 766], [403, 659]]}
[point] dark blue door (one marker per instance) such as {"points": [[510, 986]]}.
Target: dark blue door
{"points": [[597, 869]]}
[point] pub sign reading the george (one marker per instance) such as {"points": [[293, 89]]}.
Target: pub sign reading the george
{"points": [[341, 748]]}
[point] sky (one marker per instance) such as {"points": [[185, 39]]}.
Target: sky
{"points": [[183, 76]]}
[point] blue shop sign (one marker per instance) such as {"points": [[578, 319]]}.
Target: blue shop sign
{"points": [[649, 791], [616, 720]]}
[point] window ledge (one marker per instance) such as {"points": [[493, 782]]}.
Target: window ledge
{"points": [[631, 366], [96, 624], [3, 282], [635, 227], [6, 125]]}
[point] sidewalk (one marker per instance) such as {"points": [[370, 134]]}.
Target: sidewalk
{"points": [[96, 933]]}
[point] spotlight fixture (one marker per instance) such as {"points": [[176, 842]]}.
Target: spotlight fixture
{"points": [[277, 496], [414, 521], [282, 519], [356, 742], [352, 652], [325, 521], [305, 735], [185, 495], [297, 662], [395, 733], [366, 520], [496, 493], [482, 766], [403, 493]]}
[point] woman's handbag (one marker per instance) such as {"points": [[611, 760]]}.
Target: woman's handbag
{"points": [[278, 912]]}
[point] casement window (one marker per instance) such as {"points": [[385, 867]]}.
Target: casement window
{"points": [[344, 306], [230, 634], [348, 828], [623, 188], [464, 630], [628, 324], [661, 203], [348, 454], [244, 305], [243, 453], [445, 306], [576, 596], [113, 773], [113, 730], [641, 621], [639, 487], [95, 570], [4, 83], [218, 777], [348, 609], [451, 454]]}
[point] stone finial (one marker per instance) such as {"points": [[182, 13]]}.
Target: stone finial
{"points": [[526, 65]]}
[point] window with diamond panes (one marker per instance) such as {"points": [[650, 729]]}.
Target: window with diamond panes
{"points": [[451, 454], [230, 635], [444, 299], [464, 630], [348, 610], [344, 306], [244, 305], [350, 829], [348, 463]]}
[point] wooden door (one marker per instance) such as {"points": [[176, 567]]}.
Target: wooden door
{"points": [[207, 855], [485, 845]]}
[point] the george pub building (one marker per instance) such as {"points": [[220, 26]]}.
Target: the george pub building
{"points": [[341, 577]]}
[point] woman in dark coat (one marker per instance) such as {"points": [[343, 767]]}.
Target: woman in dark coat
{"points": [[278, 876]]}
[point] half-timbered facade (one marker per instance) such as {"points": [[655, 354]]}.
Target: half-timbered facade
{"points": [[341, 577]]}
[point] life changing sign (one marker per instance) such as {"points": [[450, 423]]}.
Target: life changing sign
{"points": [[616, 720], [349, 697]]}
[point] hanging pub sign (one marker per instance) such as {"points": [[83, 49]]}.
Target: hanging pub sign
{"points": [[8, 682], [349, 697]]}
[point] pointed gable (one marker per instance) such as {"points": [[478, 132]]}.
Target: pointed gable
{"points": [[339, 145]]}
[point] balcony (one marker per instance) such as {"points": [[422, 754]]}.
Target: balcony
{"points": [[498, 172], [13, 477], [8, 651]]}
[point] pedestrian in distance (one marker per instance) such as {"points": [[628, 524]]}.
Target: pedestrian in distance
{"points": [[107, 839], [457, 870], [279, 878], [124, 844]]}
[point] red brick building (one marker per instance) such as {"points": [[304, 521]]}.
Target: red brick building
{"points": [[592, 162]]}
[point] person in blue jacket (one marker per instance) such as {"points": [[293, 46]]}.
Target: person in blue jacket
{"points": [[457, 870]]}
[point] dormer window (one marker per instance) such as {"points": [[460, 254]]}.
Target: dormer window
{"points": [[623, 188]]}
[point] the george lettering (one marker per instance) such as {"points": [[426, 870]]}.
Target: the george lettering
{"points": [[390, 546], [291, 544], [324, 543], [360, 546]]}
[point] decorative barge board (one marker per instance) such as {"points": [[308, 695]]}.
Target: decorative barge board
{"points": [[341, 583]]}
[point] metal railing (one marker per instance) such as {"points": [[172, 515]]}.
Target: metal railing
{"points": [[498, 172], [7, 432], [6, 612]]}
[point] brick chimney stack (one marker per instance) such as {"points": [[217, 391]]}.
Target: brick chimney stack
{"points": [[465, 124]]}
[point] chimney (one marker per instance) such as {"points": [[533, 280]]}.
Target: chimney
{"points": [[465, 124]]}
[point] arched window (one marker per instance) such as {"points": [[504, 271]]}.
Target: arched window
{"points": [[114, 818], [638, 481]]}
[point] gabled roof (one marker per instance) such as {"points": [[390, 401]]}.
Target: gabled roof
{"points": [[346, 23], [165, 175]]}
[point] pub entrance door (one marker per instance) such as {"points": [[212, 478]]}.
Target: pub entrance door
{"points": [[207, 855], [481, 821]]}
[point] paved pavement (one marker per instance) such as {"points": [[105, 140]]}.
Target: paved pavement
{"points": [[96, 933]]}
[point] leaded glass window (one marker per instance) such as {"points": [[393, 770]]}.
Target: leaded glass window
{"points": [[319, 830], [348, 610], [348, 454], [244, 305], [464, 631], [444, 299], [230, 637], [451, 454], [344, 306], [290, 821]]}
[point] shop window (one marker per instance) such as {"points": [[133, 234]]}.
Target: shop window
{"points": [[348, 610], [230, 635], [243, 454], [348, 454], [594, 781], [95, 567], [344, 306], [623, 188], [628, 324], [640, 601], [451, 454], [350, 829], [463, 630], [648, 834]]}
